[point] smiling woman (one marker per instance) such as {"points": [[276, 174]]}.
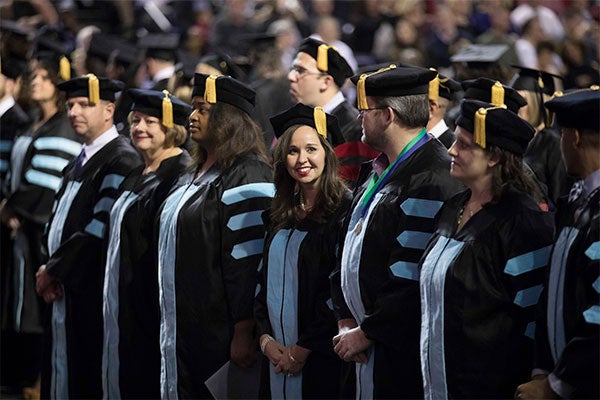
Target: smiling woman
{"points": [[298, 257]]}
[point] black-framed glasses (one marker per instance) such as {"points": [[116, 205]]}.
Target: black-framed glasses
{"points": [[362, 112], [302, 72]]}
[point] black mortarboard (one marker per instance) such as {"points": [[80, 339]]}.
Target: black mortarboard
{"points": [[493, 125], [535, 81], [328, 59], [14, 28], [325, 124], [442, 86], [11, 68], [156, 104], [224, 89], [186, 65], [477, 55], [124, 52], [101, 46], [577, 109], [489, 91], [392, 81], [93, 87], [160, 45], [224, 64]]}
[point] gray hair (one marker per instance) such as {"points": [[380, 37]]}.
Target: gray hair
{"points": [[412, 111]]}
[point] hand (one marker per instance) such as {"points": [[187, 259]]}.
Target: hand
{"points": [[291, 363], [53, 292], [538, 388], [350, 344], [273, 351], [242, 345], [42, 280]]}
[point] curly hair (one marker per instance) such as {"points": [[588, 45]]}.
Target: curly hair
{"points": [[174, 137], [60, 97], [284, 212], [233, 133]]}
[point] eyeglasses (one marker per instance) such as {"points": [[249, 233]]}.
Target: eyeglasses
{"points": [[362, 112], [301, 72]]}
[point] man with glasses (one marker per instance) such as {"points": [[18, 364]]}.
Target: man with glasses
{"points": [[317, 74], [375, 289]]}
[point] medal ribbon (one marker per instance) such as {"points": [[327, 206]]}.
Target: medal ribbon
{"points": [[377, 183]]}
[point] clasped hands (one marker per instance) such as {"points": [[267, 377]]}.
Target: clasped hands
{"points": [[351, 343], [46, 286], [287, 360]]}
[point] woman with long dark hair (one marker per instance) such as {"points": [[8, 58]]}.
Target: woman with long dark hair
{"points": [[483, 269], [210, 241], [293, 308]]}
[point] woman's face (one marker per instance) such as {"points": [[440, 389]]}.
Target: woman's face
{"points": [[199, 120], [305, 156], [41, 87], [147, 133], [470, 162]]}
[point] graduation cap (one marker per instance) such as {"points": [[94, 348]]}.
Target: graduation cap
{"points": [[101, 46], [124, 52], [11, 68], [490, 91], [325, 124], [160, 45], [494, 125], [328, 59], [442, 86], [214, 88], [479, 55], [578, 109], [224, 64], [162, 105], [93, 87], [392, 81], [535, 81]]}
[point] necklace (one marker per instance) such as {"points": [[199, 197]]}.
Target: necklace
{"points": [[471, 212], [303, 206]]}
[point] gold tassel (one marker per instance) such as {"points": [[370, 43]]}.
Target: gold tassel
{"points": [[480, 127], [595, 87], [93, 88], [320, 121], [540, 82], [434, 87], [167, 110], [361, 94], [497, 94], [322, 59], [551, 115], [210, 90], [65, 68]]}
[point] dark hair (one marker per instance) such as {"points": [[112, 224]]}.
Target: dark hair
{"points": [[510, 171], [233, 133], [60, 97], [284, 212]]}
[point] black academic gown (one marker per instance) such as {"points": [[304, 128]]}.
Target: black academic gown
{"points": [[294, 305], [210, 243], [37, 160], [131, 352], [12, 123], [479, 291], [544, 158], [77, 254], [353, 152], [377, 281], [568, 338]]}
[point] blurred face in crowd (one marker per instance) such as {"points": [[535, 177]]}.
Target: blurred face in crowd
{"points": [[199, 120], [90, 120], [306, 81], [41, 87], [305, 156], [147, 133], [470, 162]]}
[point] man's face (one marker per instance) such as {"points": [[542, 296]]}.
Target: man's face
{"points": [[87, 119], [306, 81], [373, 125]]}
